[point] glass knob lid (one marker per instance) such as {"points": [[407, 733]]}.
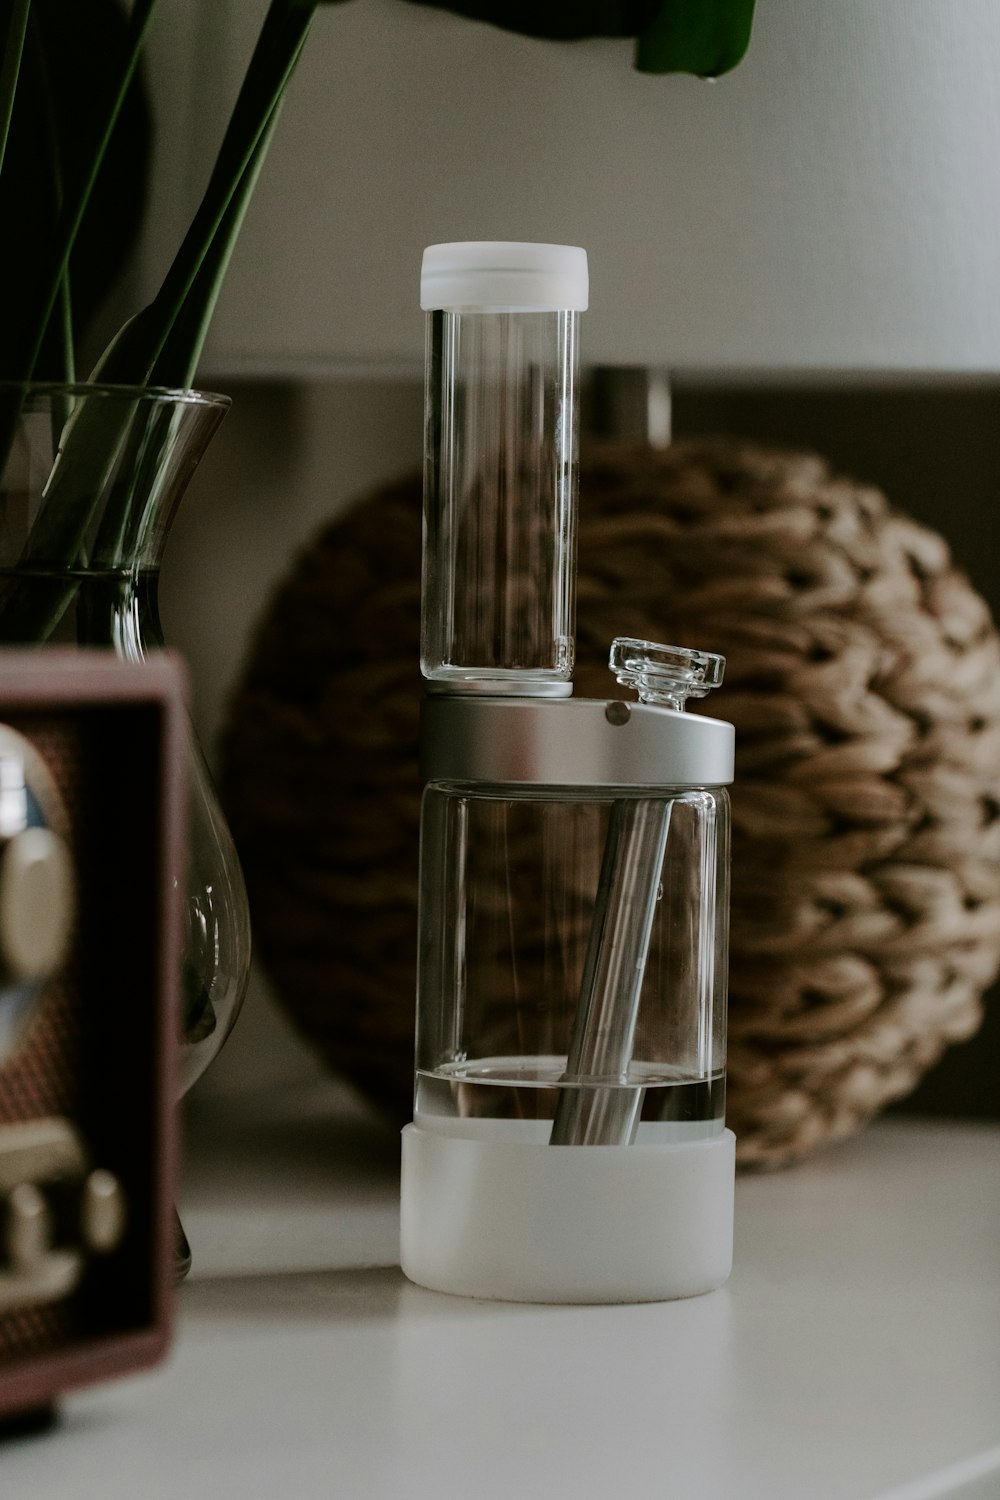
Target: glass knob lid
{"points": [[665, 675]]}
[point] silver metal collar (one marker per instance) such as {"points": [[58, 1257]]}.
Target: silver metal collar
{"points": [[572, 742]]}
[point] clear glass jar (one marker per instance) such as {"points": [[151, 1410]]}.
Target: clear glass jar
{"points": [[500, 476], [90, 486], [572, 969]]}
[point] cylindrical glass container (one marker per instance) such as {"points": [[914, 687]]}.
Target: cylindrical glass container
{"points": [[500, 446], [519, 953], [568, 1140]]}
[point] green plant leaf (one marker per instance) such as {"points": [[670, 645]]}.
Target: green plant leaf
{"points": [[704, 37], [165, 336], [10, 64], [177, 362], [176, 365], [59, 114], [554, 20], [136, 349], [57, 343], [75, 203]]}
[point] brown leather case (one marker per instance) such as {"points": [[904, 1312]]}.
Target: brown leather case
{"points": [[87, 1116]]}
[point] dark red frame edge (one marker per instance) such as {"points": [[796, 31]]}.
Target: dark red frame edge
{"points": [[78, 677]]}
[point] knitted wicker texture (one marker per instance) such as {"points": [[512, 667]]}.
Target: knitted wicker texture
{"points": [[863, 678]]}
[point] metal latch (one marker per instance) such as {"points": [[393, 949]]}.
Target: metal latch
{"points": [[55, 1211]]}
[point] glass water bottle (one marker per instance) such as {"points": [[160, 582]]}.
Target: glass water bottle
{"points": [[568, 1140]]}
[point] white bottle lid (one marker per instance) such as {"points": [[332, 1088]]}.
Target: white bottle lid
{"points": [[504, 276]]}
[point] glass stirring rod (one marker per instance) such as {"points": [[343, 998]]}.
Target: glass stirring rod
{"points": [[599, 1109], [603, 1112]]}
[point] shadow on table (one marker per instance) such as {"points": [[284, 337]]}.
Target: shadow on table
{"points": [[360, 1294], [364, 1293], [288, 1140]]}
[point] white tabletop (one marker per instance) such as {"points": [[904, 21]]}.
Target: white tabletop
{"points": [[854, 1355]]}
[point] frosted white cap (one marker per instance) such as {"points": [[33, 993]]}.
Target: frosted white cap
{"points": [[504, 276]]}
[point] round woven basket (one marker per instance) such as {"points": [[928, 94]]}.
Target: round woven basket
{"points": [[863, 678]]}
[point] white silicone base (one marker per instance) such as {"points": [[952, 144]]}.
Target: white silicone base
{"points": [[524, 1221]]}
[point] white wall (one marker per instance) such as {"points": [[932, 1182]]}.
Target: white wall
{"points": [[831, 202]]}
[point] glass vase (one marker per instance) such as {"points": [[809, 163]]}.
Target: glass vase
{"points": [[90, 480]]}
